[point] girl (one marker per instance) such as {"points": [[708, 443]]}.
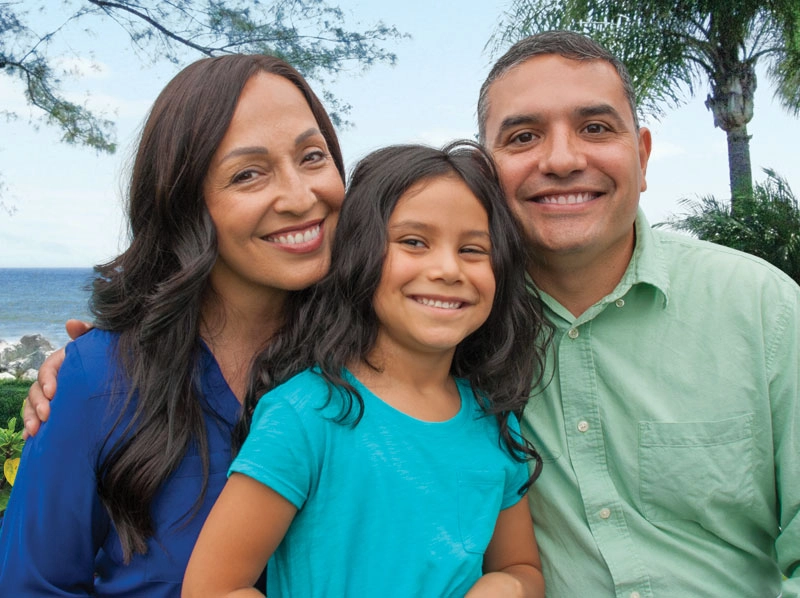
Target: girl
{"points": [[392, 464], [234, 194]]}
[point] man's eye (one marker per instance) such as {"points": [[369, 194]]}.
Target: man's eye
{"points": [[525, 137], [595, 128]]}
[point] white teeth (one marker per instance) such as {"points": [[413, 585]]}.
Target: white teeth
{"points": [[294, 239], [566, 199], [441, 304]]}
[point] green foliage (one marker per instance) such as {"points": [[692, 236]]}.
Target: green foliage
{"points": [[768, 225], [11, 443], [12, 393], [310, 34]]}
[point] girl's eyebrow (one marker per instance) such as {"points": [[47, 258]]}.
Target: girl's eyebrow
{"points": [[416, 225]]}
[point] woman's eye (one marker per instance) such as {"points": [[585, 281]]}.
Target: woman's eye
{"points": [[315, 156], [244, 176]]}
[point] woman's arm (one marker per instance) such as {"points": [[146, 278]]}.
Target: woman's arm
{"points": [[55, 522], [511, 564], [244, 528]]}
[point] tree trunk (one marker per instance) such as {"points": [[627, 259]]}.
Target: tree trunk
{"points": [[739, 168], [731, 102]]}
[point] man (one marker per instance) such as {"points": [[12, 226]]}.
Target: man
{"points": [[670, 426]]}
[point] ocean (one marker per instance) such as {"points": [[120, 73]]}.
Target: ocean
{"points": [[40, 300]]}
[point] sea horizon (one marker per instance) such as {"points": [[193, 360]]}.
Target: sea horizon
{"points": [[40, 300]]}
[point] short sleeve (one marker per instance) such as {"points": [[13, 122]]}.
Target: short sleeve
{"points": [[280, 450], [517, 471]]}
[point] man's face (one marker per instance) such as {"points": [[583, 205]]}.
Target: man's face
{"points": [[569, 157]]}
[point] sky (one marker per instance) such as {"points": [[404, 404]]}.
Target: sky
{"points": [[67, 201]]}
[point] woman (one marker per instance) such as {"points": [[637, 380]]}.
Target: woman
{"points": [[234, 194]]}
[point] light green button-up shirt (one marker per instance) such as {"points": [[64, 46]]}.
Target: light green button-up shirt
{"points": [[670, 431]]}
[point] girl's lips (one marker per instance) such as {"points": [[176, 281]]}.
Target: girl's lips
{"points": [[440, 303]]}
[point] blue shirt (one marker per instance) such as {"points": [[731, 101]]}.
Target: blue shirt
{"points": [[670, 430], [394, 506], [57, 538]]}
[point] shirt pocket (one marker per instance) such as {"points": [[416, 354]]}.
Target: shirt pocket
{"points": [[699, 471], [480, 494]]}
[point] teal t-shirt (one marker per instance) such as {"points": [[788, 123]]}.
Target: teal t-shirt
{"points": [[393, 506]]}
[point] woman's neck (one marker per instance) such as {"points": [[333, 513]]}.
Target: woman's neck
{"points": [[236, 332]]}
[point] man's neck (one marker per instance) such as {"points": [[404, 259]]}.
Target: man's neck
{"points": [[578, 283]]}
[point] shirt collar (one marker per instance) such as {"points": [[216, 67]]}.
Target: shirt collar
{"points": [[647, 266]]}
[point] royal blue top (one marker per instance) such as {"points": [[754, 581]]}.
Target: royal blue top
{"points": [[57, 538]]}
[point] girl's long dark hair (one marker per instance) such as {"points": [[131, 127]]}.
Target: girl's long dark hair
{"points": [[153, 293], [334, 323]]}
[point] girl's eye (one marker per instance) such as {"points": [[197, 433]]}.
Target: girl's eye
{"points": [[475, 250], [412, 242]]}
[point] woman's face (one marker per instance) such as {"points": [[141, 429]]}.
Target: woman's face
{"points": [[273, 192]]}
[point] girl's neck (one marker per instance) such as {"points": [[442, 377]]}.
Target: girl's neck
{"points": [[422, 389], [236, 333]]}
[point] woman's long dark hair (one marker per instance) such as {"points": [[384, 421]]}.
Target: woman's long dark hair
{"points": [[153, 293], [334, 323]]}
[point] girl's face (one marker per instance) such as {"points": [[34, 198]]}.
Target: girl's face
{"points": [[437, 284], [273, 192]]}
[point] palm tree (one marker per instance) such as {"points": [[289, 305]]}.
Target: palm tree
{"points": [[766, 225], [670, 46]]}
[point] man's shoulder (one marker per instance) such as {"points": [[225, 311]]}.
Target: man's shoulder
{"points": [[709, 263]]}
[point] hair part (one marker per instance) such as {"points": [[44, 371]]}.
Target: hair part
{"points": [[153, 293], [567, 44], [336, 325]]}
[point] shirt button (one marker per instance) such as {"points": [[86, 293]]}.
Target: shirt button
{"points": [[605, 514], [636, 595], [621, 303], [583, 426], [573, 333]]}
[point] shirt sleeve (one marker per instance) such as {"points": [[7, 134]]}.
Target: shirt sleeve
{"points": [[279, 449], [55, 522], [784, 365], [517, 472]]}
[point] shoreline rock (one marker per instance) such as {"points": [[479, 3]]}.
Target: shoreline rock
{"points": [[23, 359]]}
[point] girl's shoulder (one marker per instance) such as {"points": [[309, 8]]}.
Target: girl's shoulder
{"points": [[302, 390]]}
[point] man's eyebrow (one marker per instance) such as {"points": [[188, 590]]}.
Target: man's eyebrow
{"points": [[515, 120], [599, 110]]}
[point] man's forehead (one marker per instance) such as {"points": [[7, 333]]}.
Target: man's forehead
{"points": [[546, 77]]}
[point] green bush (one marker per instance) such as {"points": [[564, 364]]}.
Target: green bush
{"points": [[12, 393]]}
